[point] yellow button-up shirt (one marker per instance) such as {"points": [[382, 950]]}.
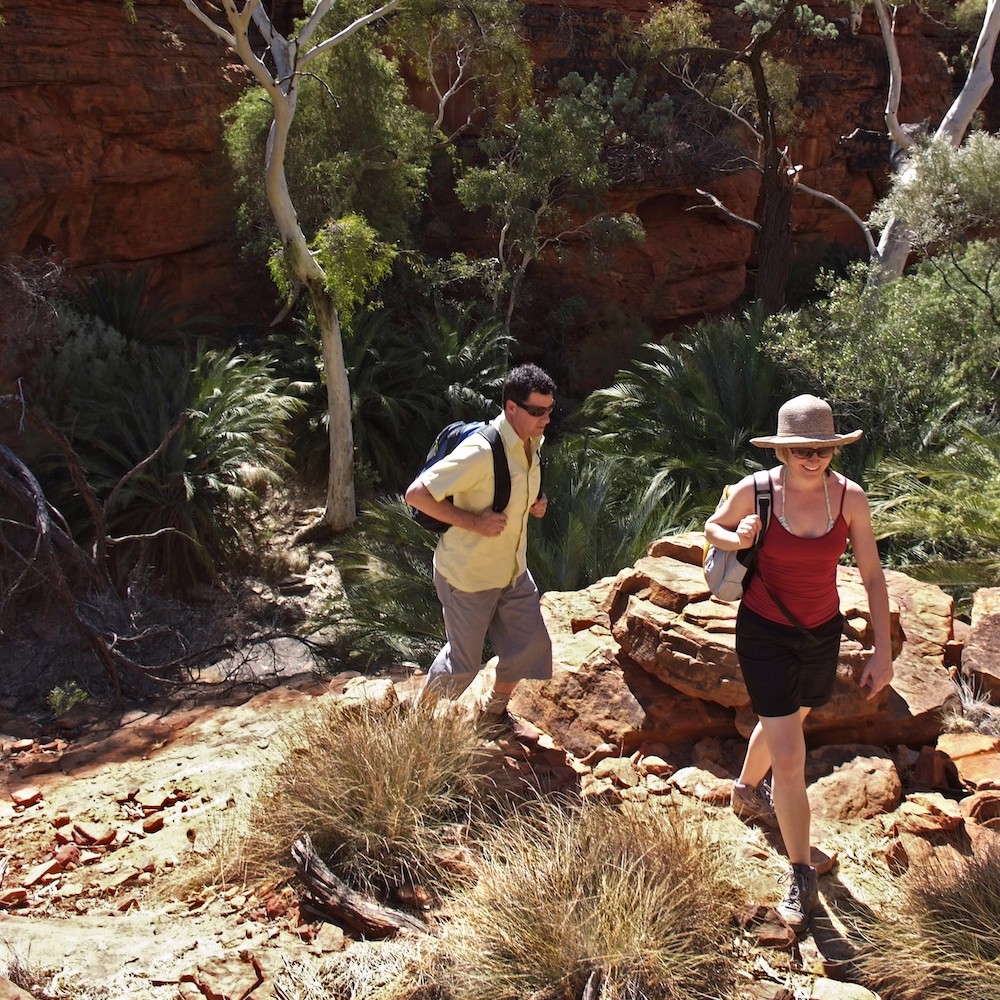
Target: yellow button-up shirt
{"points": [[468, 561]]}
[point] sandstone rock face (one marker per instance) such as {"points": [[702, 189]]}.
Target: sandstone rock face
{"points": [[654, 660], [111, 154], [111, 150], [981, 657]]}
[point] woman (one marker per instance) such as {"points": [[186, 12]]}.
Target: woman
{"points": [[789, 623]]}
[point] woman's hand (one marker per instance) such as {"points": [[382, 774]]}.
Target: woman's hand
{"points": [[747, 530], [877, 673]]}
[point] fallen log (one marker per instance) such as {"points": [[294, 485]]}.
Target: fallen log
{"points": [[334, 898]]}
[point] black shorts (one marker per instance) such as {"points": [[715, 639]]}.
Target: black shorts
{"points": [[782, 669]]}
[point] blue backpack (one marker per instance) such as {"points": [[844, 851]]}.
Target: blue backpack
{"points": [[447, 440]]}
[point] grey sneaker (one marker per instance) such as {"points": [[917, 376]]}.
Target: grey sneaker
{"points": [[753, 803], [801, 897]]}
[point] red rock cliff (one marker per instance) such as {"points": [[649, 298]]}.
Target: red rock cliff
{"points": [[110, 153]]}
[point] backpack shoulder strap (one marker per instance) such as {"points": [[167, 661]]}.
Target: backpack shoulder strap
{"points": [[501, 470], [763, 497]]}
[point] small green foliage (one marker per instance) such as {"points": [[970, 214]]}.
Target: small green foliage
{"points": [[950, 195], [353, 259], [389, 611], [764, 13], [64, 697], [941, 506], [543, 178], [896, 358], [674, 27], [125, 301]]}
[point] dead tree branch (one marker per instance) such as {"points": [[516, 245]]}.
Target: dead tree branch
{"points": [[333, 897]]}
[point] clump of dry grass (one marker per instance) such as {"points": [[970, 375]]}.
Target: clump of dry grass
{"points": [[594, 901], [378, 790], [944, 941], [976, 713], [369, 970], [55, 984]]}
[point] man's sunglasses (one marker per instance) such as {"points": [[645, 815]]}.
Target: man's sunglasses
{"points": [[535, 411], [809, 452]]}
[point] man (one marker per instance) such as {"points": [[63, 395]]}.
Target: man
{"points": [[480, 567]]}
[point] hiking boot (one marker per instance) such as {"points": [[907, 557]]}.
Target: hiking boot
{"points": [[753, 803], [801, 898]]}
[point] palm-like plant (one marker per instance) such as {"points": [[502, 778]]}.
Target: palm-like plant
{"points": [[467, 357], [389, 610], [693, 407], [602, 514], [124, 301], [183, 451], [410, 374], [390, 401]]}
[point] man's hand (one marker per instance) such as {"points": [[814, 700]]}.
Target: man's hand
{"points": [[538, 508], [489, 523]]}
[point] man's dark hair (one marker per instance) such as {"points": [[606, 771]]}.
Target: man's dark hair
{"points": [[523, 380]]}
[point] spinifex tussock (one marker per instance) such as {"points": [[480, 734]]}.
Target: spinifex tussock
{"points": [[944, 940], [594, 901], [378, 790]]}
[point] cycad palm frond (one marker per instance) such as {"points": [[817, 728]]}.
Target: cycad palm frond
{"points": [[603, 512], [390, 609], [207, 480], [692, 406]]}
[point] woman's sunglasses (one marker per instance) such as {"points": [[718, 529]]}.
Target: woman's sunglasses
{"points": [[809, 452]]}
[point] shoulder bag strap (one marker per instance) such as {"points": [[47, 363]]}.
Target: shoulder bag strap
{"points": [[764, 500]]}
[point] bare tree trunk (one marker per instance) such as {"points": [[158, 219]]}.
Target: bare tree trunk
{"points": [[774, 245], [340, 501], [894, 246], [290, 55]]}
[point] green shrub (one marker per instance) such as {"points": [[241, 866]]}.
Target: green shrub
{"points": [[940, 508], [898, 359], [62, 698]]}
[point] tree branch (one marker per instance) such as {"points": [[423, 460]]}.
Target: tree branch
{"points": [[725, 211]]}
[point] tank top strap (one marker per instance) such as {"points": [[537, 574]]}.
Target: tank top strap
{"points": [[843, 497]]}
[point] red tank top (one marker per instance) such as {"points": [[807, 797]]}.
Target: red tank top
{"points": [[801, 571]]}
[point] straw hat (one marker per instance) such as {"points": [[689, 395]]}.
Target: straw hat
{"points": [[805, 420]]}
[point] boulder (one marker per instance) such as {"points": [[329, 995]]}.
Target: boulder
{"points": [[649, 656], [852, 782], [981, 655]]}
